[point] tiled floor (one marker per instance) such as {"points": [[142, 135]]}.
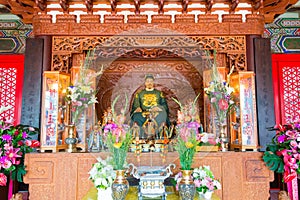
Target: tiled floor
{"points": [[274, 194]]}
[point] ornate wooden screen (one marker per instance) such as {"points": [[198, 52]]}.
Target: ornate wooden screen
{"points": [[286, 76], [11, 81]]}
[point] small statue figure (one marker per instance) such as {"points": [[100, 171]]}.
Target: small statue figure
{"points": [[135, 130], [95, 142]]}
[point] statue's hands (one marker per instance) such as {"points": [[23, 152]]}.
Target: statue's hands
{"points": [[138, 110], [155, 109]]}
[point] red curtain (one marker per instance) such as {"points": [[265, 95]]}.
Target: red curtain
{"points": [[11, 83]]}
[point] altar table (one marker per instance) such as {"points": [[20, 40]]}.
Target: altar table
{"points": [[64, 176]]}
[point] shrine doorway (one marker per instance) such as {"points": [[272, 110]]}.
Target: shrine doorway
{"points": [[177, 66]]}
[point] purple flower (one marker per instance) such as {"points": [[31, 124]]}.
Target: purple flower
{"points": [[110, 127], [6, 137], [194, 125], [281, 138], [24, 135]]}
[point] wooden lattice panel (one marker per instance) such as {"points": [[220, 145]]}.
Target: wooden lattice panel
{"points": [[8, 90], [11, 79], [291, 91]]}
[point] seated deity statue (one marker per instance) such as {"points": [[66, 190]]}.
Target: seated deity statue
{"points": [[149, 106]]}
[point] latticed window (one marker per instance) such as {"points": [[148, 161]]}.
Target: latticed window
{"points": [[291, 91], [11, 80]]}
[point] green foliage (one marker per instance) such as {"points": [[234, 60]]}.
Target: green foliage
{"points": [[118, 147], [273, 161], [186, 149]]}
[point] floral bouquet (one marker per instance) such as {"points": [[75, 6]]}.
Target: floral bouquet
{"points": [[82, 93], [187, 128], [205, 180], [219, 93], [206, 139], [118, 138], [15, 142], [102, 174], [282, 155]]}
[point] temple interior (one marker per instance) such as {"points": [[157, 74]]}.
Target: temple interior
{"points": [[114, 47]]}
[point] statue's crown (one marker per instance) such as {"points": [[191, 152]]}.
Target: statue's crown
{"points": [[149, 76]]}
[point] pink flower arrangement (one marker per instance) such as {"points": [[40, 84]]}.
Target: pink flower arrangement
{"points": [[15, 142], [282, 155], [206, 139], [203, 178]]}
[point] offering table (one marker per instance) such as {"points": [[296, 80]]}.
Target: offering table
{"points": [[243, 175]]}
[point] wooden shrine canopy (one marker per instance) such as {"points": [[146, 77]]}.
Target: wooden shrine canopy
{"points": [[28, 9]]}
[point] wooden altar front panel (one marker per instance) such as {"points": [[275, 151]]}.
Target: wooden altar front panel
{"points": [[243, 175]]}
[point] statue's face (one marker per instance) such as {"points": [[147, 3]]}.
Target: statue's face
{"points": [[149, 83]]}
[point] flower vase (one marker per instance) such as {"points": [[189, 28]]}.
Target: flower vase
{"points": [[223, 136], [205, 196], [71, 140], [104, 194], [120, 186], [187, 188]]}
